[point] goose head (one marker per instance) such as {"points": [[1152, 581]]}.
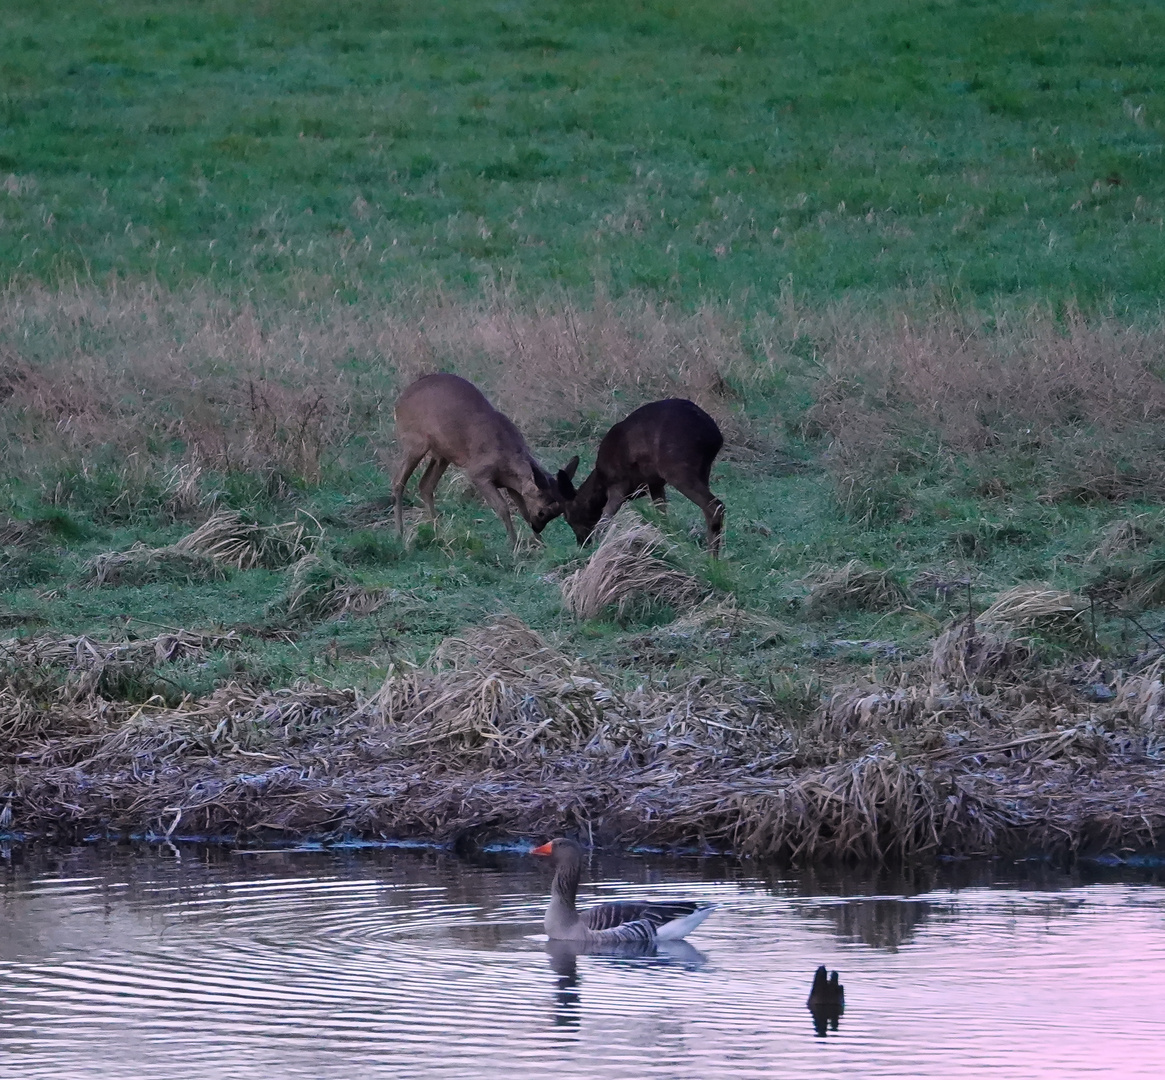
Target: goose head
{"points": [[560, 850]]}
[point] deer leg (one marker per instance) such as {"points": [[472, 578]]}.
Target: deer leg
{"points": [[520, 503], [407, 467], [698, 491], [659, 496], [428, 485], [497, 502], [617, 495]]}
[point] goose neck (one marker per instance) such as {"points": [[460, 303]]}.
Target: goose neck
{"points": [[564, 888]]}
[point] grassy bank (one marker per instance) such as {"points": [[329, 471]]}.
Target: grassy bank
{"points": [[936, 629], [694, 149]]}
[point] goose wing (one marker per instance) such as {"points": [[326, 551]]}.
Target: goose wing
{"points": [[609, 916]]}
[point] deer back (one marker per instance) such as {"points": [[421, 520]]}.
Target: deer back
{"points": [[665, 442], [448, 417]]}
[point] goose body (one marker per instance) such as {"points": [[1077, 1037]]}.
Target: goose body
{"points": [[621, 923]]}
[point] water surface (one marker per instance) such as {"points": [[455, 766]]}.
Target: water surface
{"points": [[198, 962]]}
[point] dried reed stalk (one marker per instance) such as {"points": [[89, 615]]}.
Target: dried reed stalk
{"points": [[502, 733]]}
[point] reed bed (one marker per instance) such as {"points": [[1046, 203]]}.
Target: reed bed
{"points": [[502, 734]]}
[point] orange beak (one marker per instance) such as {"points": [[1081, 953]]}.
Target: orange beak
{"points": [[543, 850]]}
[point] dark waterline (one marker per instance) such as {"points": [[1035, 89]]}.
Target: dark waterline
{"points": [[199, 962]]}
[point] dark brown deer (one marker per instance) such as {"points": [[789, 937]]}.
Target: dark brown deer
{"points": [[449, 420], [667, 442]]}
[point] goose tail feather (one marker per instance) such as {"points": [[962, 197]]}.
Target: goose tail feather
{"points": [[681, 928]]}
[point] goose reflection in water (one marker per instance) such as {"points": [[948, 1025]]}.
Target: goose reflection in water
{"points": [[563, 956], [826, 1001]]}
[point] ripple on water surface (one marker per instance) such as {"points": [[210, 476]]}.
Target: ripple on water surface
{"points": [[128, 964]]}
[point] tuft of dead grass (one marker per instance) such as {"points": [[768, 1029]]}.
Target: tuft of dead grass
{"points": [[629, 569], [724, 620], [232, 539], [226, 539], [143, 565], [1052, 613], [1146, 585], [854, 586], [320, 588], [1127, 535], [965, 652], [22, 534], [183, 496]]}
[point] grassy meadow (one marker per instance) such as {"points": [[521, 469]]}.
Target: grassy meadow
{"points": [[910, 256], [691, 149]]}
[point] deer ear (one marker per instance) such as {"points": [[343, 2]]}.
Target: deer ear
{"points": [[540, 478], [565, 476]]}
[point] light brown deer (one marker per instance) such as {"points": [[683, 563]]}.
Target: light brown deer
{"points": [[447, 419], [667, 442]]}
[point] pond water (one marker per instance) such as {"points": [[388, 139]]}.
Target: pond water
{"points": [[199, 962]]}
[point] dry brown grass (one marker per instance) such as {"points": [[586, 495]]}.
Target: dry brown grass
{"points": [[853, 587], [560, 364], [232, 539], [502, 734], [1087, 396], [1053, 613], [275, 392], [629, 569]]}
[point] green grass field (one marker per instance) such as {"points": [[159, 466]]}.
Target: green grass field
{"points": [[691, 149]]}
